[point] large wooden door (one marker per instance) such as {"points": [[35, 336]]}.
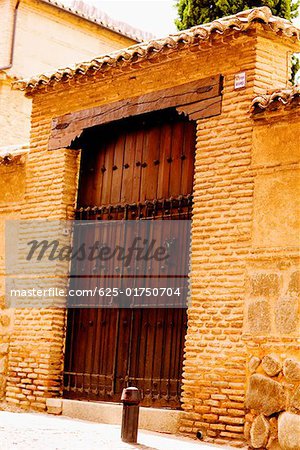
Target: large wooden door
{"points": [[134, 169]]}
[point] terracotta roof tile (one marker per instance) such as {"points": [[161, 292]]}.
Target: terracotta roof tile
{"points": [[241, 22], [275, 100], [12, 152]]}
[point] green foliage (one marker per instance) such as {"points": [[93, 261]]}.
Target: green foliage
{"points": [[196, 12], [295, 75]]}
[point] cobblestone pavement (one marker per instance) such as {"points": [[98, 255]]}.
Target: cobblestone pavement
{"points": [[29, 431]]}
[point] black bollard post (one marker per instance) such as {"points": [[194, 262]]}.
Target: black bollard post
{"points": [[130, 417]]}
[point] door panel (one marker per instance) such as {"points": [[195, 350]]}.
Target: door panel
{"points": [[138, 160], [124, 168]]}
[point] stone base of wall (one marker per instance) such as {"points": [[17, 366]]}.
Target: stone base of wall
{"points": [[5, 327], [273, 402], [3, 364]]}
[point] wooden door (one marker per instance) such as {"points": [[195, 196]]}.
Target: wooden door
{"points": [[134, 169]]}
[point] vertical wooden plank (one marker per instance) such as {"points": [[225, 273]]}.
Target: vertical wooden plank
{"points": [[90, 342], [135, 353], [189, 146], [150, 171], [87, 170], [164, 166], [107, 174], [117, 169], [175, 165], [158, 358], [98, 174], [137, 166], [128, 167], [98, 327], [123, 346], [107, 350], [81, 347]]}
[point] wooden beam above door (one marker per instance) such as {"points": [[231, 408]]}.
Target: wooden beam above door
{"points": [[197, 99]]}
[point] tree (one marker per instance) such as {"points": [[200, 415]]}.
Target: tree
{"points": [[196, 12]]}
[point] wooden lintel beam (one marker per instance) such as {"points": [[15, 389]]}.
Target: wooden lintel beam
{"points": [[203, 109], [184, 98]]}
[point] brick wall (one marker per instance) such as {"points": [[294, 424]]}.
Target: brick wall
{"points": [[223, 239], [6, 21], [12, 188], [46, 38], [15, 123], [215, 376]]}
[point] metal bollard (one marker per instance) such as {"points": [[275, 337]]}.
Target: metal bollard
{"points": [[130, 417]]}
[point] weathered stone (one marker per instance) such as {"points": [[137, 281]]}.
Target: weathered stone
{"points": [[265, 395], [2, 385], [4, 320], [54, 406], [291, 370], [286, 315], [273, 435], [3, 364], [295, 399], [289, 431], [271, 365], [253, 364], [3, 348], [259, 317], [294, 284], [247, 428], [273, 444], [265, 284], [249, 417], [273, 426], [259, 432]]}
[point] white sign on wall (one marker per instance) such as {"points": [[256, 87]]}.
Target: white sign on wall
{"points": [[240, 80]]}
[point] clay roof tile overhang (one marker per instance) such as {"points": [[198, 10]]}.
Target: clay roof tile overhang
{"points": [[284, 98], [241, 22]]}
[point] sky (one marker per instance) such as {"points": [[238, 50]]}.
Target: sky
{"points": [[155, 16]]}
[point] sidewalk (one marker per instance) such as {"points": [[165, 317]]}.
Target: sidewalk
{"points": [[29, 431]]}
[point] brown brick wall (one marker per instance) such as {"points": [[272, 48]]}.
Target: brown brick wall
{"points": [[82, 40], [222, 241], [63, 39], [12, 188], [5, 30], [15, 123]]}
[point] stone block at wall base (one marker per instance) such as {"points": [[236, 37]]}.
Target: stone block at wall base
{"points": [[259, 432], [289, 431], [54, 406], [265, 395]]}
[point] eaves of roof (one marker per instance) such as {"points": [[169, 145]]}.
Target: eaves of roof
{"points": [[241, 22], [284, 98]]}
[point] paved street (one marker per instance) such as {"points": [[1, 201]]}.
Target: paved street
{"points": [[21, 431]]}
